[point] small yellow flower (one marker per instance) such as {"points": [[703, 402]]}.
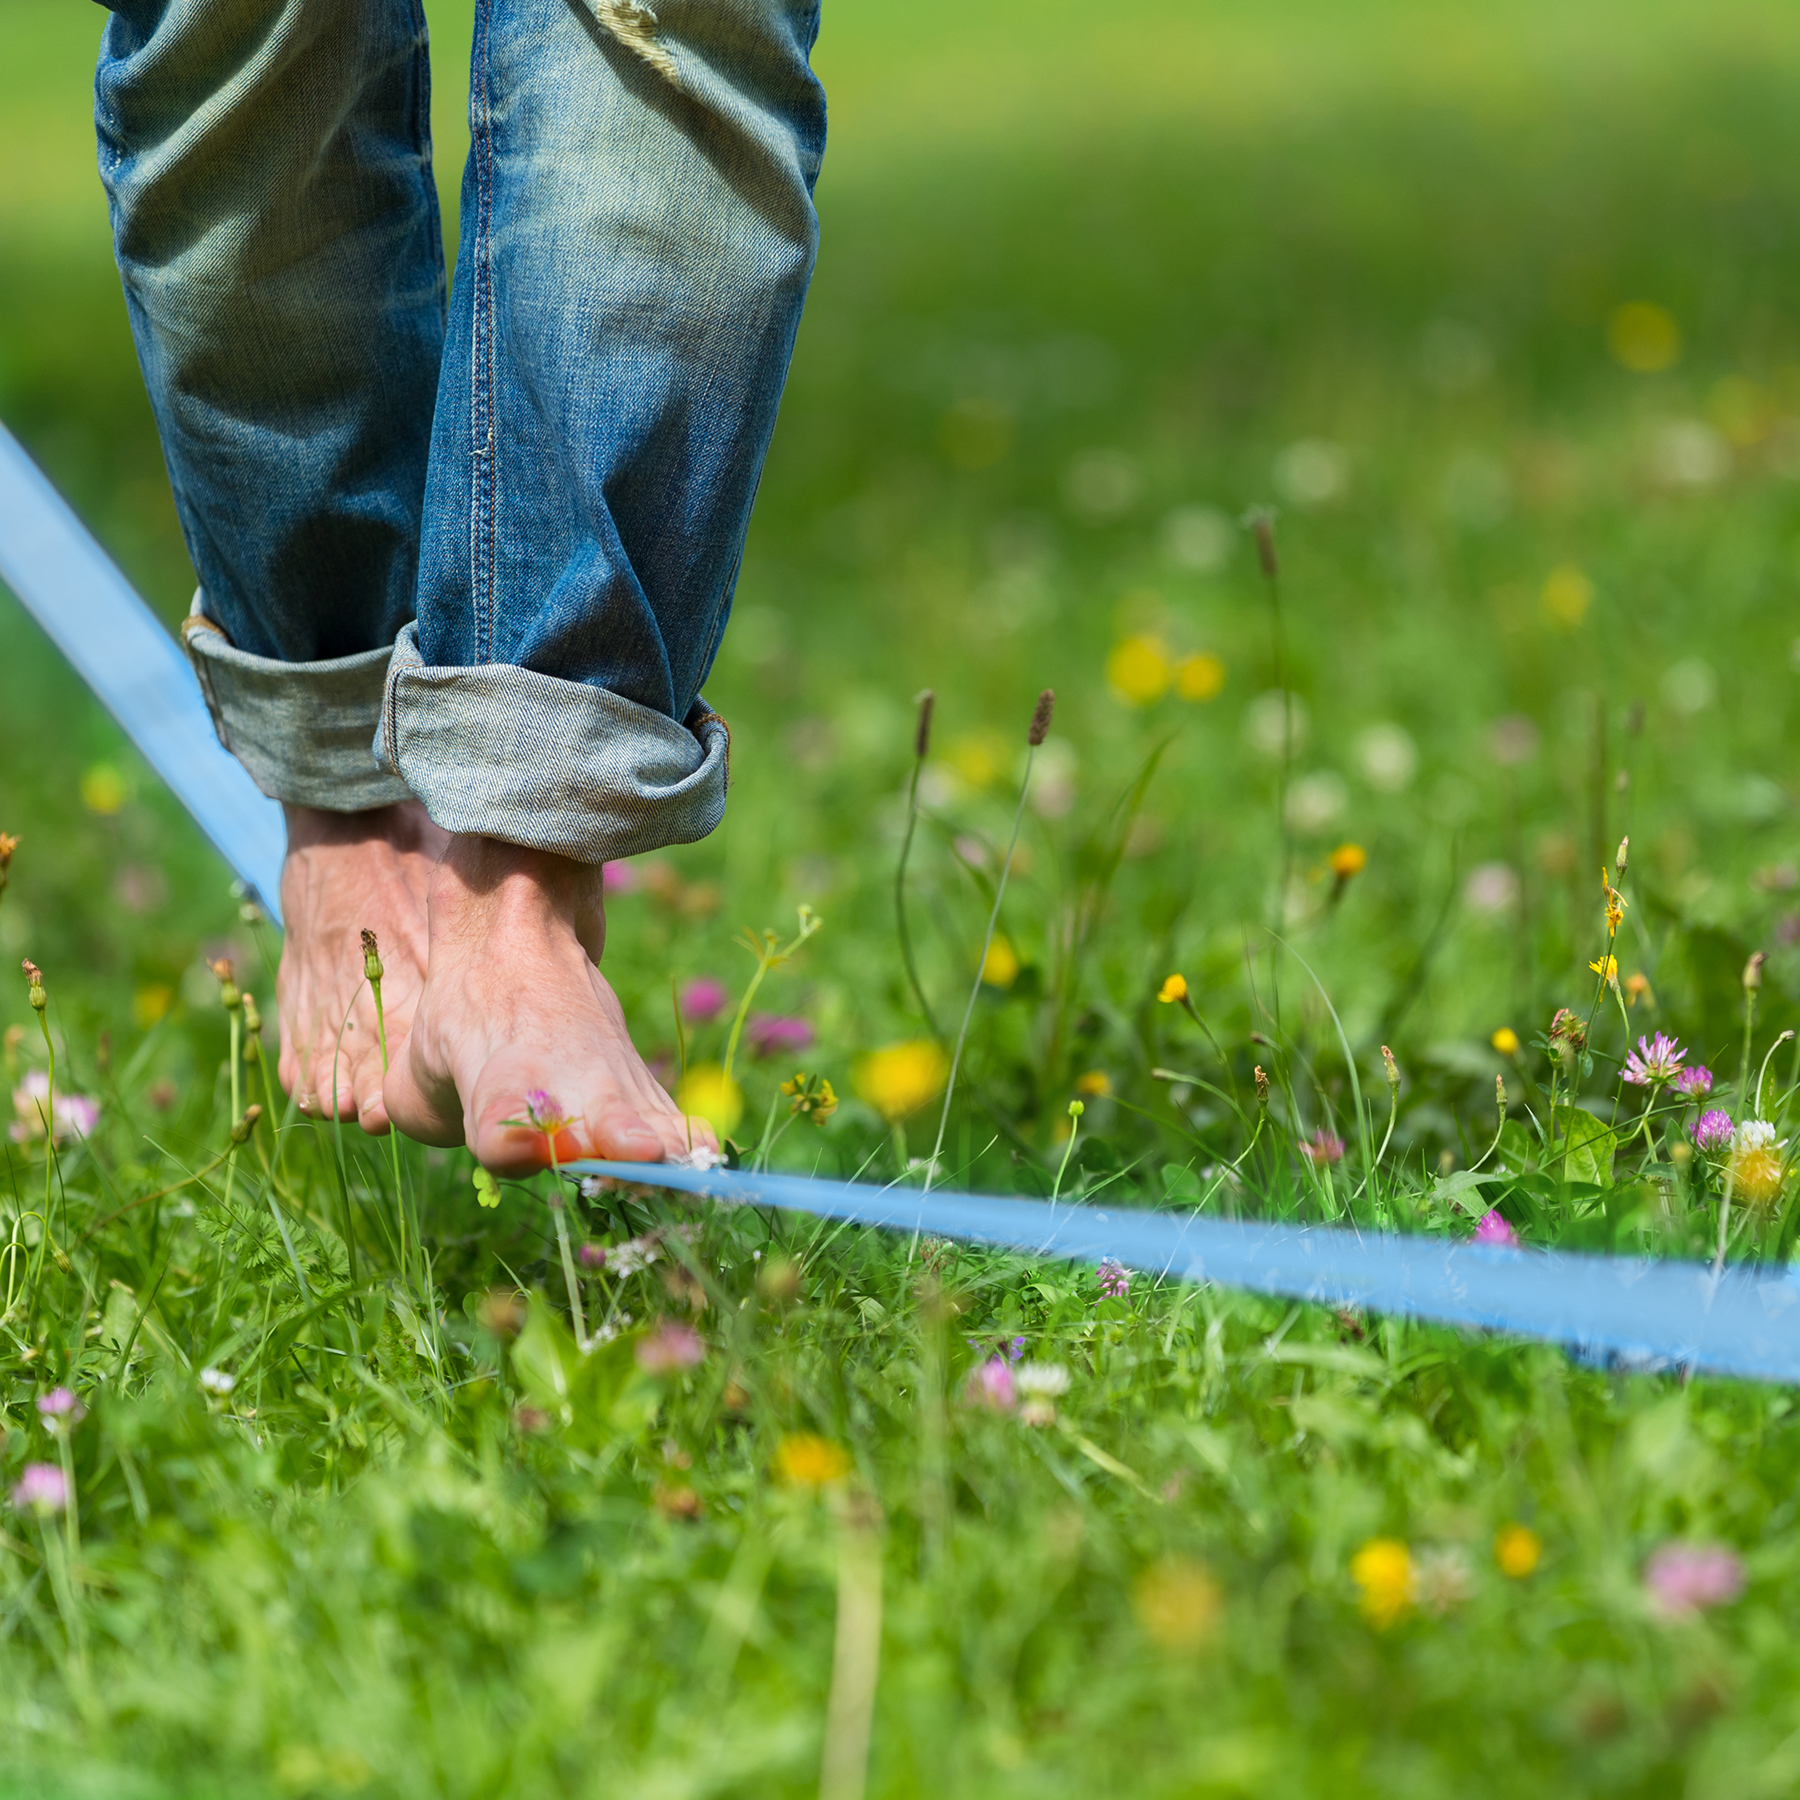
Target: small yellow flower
{"points": [[1383, 1570], [899, 1080], [1000, 967], [1615, 904], [103, 790], [1096, 1084], [1139, 670], [981, 757], [811, 1097], [487, 1189], [1199, 677], [808, 1460], [151, 1002], [1643, 337], [1607, 968], [1567, 595], [1177, 1603], [1347, 860], [710, 1094], [1175, 988], [1506, 1041], [1637, 987], [1517, 1549]]}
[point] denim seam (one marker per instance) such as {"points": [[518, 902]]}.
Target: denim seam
{"points": [[484, 482]]}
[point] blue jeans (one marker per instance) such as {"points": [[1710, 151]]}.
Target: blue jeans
{"points": [[480, 553]]}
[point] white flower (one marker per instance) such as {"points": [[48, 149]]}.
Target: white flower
{"points": [[632, 1255], [217, 1381], [1754, 1134], [1046, 1379]]}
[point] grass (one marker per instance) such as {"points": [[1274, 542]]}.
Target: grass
{"points": [[1092, 286]]}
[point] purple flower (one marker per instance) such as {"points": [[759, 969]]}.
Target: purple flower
{"points": [[618, 878], [669, 1347], [545, 1112], [60, 1404], [1015, 1349], [71, 1114], [992, 1386], [1712, 1130], [1493, 1229], [1654, 1062], [1323, 1148], [703, 998], [43, 1487], [1695, 1082], [591, 1256], [1114, 1280], [771, 1035], [1682, 1578]]}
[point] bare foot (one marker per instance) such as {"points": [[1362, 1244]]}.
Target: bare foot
{"points": [[514, 1005], [347, 873]]}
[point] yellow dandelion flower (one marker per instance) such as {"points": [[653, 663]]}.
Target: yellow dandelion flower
{"points": [[1506, 1041], [900, 1079], [710, 1094], [981, 757], [807, 1460], [1347, 860], [1383, 1569], [151, 1002], [1000, 967], [1567, 595], [1517, 1549], [1607, 968], [1199, 677], [1175, 988], [1637, 987], [1643, 337], [1139, 670], [103, 790], [1096, 1084]]}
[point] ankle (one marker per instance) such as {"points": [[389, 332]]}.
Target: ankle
{"points": [[520, 882], [405, 825]]}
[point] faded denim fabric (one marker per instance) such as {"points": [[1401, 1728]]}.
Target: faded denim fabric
{"points": [[556, 480]]}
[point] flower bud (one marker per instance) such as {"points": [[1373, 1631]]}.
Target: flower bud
{"points": [[34, 976], [1392, 1067], [229, 996], [240, 1132], [1076, 1109], [1500, 1096], [7, 846], [1752, 972], [1262, 1088], [252, 1030], [1624, 852], [372, 958]]}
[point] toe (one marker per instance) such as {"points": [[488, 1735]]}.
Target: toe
{"points": [[617, 1132], [423, 1112]]}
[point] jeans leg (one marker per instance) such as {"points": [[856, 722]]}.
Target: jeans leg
{"points": [[637, 237], [268, 167]]}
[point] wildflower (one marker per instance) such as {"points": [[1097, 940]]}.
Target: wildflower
{"points": [[1383, 1570], [60, 1407], [771, 1034], [1015, 1349], [72, 1115], [1755, 1164], [1323, 1148], [1712, 1131], [1569, 1028], [634, 1254], [1506, 1041], [807, 1460], [811, 1097], [1615, 906], [1115, 1280], [487, 1189], [1041, 1384], [42, 1487], [591, 1256], [1177, 1603], [991, 1385], [546, 1114], [1517, 1549], [532, 1420], [8, 844], [217, 1381], [34, 985], [1607, 968], [1637, 987], [703, 999], [709, 1093], [677, 1502], [1694, 1082], [1443, 1578], [1654, 1063], [618, 878], [671, 1346], [1000, 966], [900, 1079], [1139, 670], [1262, 1088], [1175, 988], [1682, 1578], [501, 1311], [1494, 1229], [1753, 972], [1096, 1084], [1348, 860], [1392, 1068], [1200, 676], [230, 997]]}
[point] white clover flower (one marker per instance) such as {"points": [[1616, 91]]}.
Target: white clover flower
{"points": [[1045, 1379], [217, 1381], [1754, 1134], [632, 1255]]}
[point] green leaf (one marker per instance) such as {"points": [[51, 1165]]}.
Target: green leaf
{"points": [[595, 1397], [1587, 1146]]}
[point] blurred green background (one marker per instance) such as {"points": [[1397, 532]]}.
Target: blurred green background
{"points": [[1498, 307]]}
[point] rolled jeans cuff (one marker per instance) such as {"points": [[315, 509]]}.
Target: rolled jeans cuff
{"points": [[555, 765], [302, 729]]}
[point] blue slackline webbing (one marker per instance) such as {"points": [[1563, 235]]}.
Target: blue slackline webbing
{"points": [[1638, 1312], [1632, 1312], [118, 646]]}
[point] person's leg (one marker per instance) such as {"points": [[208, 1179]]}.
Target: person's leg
{"points": [[276, 225], [637, 237]]}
